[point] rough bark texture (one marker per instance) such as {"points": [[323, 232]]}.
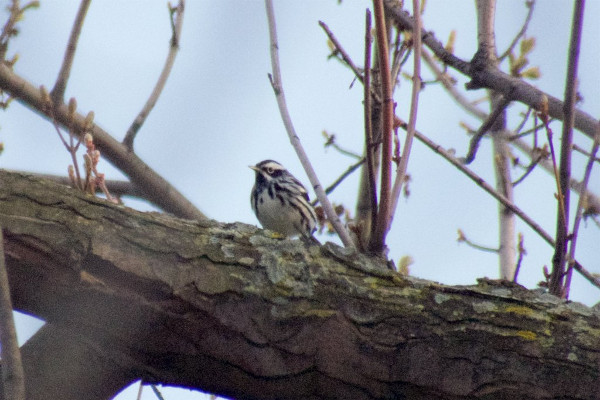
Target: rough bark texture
{"points": [[229, 309]]}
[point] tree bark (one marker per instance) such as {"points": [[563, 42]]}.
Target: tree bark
{"points": [[233, 310]]}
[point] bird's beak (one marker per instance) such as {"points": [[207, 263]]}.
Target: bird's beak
{"points": [[253, 167]]}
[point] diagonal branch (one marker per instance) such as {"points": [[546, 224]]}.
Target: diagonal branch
{"points": [[164, 75], [294, 139], [156, 189], [530, 4], [499, 197], [487, 124], [60, 86], [583, 198], [414, 103], [494, 79]]}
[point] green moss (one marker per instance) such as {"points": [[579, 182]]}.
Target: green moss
{"points": [[527, 335], [520, 310], [320, 313]]}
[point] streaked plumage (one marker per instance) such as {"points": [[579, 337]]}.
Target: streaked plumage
{"points": [[280, 202]]}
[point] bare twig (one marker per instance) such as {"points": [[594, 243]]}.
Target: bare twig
{"points": [[579, 212], [488, 123], [495, 79], [345, 57], [341, 178], [519, 143], [529, 169], [500, 197], [522, 253], [451, 87], [558, 261], [164, 75], [156, 188], [412, 119], [116, 187], [462, 238], [157, 392], [581, 150], [331, 141], [377, 240], [575, 185], [530, 5], [369, 145], [12, 368], [140, 390], [60, 86], [294, 139], [71, 146]]}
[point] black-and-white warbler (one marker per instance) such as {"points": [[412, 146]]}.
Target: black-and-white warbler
{"points": [[280, 202]]}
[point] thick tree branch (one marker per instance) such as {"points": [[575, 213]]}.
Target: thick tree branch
{"points": [[156, 188], [226, 309], [516, 89]]}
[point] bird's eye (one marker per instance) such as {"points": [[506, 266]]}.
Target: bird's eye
{"points": [[270, 170]]}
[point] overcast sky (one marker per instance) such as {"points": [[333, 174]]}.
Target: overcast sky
{"points": [[218, 114]]}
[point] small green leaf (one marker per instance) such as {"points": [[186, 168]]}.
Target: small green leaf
{"points": [[527, 45], [531, 73]]}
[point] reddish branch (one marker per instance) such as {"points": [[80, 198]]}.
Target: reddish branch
{"points": [[562, 227], [377, 242]]}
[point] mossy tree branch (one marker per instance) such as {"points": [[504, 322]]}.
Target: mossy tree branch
{"points": [[226, 308]]}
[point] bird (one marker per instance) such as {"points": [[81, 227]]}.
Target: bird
{"points": [[281, 202]]}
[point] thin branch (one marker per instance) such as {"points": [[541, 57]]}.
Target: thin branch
{"points": [[498, 196], [294, 139], [487, 124], [580, 207], [495, 79], [484, 185], [522, 253], [530, 5], [140, 390], [156, 188], [462, 238], [157, 392], [529, 169], [558, 268], [12, 368], [116, 187], [377, 240], [58, 92], [412, 119], [369, 145], [575, 185], [332, 142], [581, 150], [345, 57], [451, 87], [164, 75], [340, 179], [476, 112]]}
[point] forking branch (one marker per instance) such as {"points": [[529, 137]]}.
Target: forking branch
{"points": [[176, 26]]}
